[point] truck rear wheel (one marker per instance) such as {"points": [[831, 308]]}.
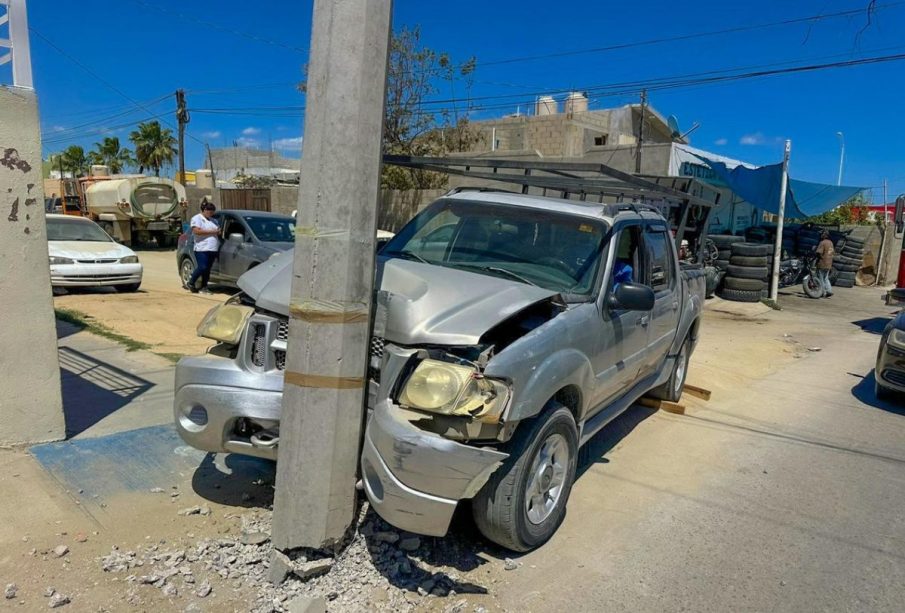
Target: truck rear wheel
{"points": [[524, 502]]}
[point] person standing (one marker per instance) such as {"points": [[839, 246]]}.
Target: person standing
{"points": [[826, 252], [207, 244]]}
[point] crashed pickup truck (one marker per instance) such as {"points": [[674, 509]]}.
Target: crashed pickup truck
{"points": [[508, 330]]}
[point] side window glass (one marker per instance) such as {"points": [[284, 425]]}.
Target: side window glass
{"points": [[628, 266], [661, 270]]}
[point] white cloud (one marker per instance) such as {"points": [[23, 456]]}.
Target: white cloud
{"points": [[58, 128], [288, 144], [211, 135], [756, 138], [248, 142], [721, 141], [251, 131]]}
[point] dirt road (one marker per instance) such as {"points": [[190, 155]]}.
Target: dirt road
{"points": [[161, 313], [783, 492]]}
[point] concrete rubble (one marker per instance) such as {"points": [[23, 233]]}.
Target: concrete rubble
{"points": [[379, 569]]}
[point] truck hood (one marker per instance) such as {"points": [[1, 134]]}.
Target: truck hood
{"points": [[427, 304]]}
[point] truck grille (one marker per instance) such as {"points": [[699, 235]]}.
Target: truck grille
{"points": [[259, 346], [375, 357], [283, 330], [894, 376]]}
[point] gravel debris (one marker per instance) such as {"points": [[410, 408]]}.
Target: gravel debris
{"points": [[204, 590], [58, 600], [510, 564], [410, 543], [195, 510], [157, 490], [60, 551], [10, 591]]}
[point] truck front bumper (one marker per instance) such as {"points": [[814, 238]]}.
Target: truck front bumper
{"points": [[414, 478], [213, 393]]}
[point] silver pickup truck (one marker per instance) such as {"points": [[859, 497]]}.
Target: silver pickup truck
{"points": [[508, 330]]}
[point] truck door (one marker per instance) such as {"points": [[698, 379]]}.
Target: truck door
{"points": [[664, 280], [623, 344]]}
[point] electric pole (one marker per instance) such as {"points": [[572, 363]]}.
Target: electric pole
{"points": [[333, 275], [182, 117], [641, 132]]}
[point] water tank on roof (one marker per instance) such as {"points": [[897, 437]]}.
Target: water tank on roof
{"points": [[204, 179], [99, 170], [545, 105], [576, 102]]}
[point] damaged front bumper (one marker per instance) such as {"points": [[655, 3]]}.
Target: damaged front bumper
{"points": [[414, 478]]}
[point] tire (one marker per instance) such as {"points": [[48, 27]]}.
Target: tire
{"points": [[724, 254], [834, 274], [850, 253], [749, 261], [845, 283], [846, 267], [845, 260], [500, 510], [186, 268], [672, 389], [846, 275], [723, 241], [854, 243], [127, 289], [750, 249], [812, 287], [748, 285], [747, 272], [738, 295], [721, 264]]}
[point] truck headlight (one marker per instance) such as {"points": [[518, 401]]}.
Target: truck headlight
{"points": [[129, 259], [897, 338], [454, 389], [225, 323], [55, 260]]}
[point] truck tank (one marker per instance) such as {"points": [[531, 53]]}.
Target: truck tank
{"points": [[148, 198]]}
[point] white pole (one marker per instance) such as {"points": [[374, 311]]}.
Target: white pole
{"points": [[19, 43], [841, 156], [777, 248]]}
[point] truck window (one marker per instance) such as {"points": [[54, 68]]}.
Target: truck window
{"points": [[661, 269], [627, 267]]}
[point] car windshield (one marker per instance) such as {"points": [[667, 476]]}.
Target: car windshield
{"points": [[551, 250], [272, 229], [75, 229]]}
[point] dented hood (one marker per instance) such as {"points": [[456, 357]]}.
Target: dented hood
{"points": [[424, 304]]}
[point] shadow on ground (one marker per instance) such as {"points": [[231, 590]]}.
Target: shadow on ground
{"points": [[235, 480], [864, 391], [873, 325], [93, 389], [604, 441]]}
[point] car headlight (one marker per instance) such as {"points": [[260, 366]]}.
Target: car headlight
{"points": [[897, 338], [54, 260], [129, 259], [225, 323], [454, 389]]}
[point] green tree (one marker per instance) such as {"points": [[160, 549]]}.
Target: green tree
{"points": [[854, 211], [154, 146], [75, 160], [109, 153]]}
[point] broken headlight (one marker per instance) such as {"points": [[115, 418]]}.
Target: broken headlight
{"points": [[454, 389], [225, 323]]}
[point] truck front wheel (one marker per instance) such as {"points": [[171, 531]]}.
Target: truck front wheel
{"points": [[524, 502]]}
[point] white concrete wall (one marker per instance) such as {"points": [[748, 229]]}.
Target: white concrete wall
{"points": [[30, 404]]}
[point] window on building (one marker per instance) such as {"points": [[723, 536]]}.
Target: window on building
{"points": [[600, 141]]}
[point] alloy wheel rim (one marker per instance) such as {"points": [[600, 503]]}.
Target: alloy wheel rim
{"points": [[680, 369], [547, 478], [186, 272]]}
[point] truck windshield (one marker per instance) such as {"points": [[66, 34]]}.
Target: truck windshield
{"points": [[75, 229], [552, 250], [272, 230]]}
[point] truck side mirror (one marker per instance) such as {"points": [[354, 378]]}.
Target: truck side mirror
{"points": [[633, 297], [235, 237], [900, 214]]}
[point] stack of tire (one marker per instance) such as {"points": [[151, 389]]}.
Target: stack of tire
{"points": [[747, 272], [847, 262], [724, 244], [806, 240]]}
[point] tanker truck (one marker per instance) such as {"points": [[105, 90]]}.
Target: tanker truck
{"points": [[135, 209]]}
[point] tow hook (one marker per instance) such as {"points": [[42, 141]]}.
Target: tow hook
{"points": [[265, 439]]}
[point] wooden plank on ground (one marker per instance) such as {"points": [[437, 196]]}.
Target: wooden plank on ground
{"points": [[699, 392], [662, 405]]}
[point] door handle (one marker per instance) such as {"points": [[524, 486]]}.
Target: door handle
{"points": [[644, 321], [675, 306]]}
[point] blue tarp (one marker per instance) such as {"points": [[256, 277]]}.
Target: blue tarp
{"points": [[760, 187]]}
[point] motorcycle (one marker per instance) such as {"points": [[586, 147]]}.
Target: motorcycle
{"points": [[803, 269]]}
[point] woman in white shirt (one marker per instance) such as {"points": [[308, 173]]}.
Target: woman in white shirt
{"points": [[207, 245]]}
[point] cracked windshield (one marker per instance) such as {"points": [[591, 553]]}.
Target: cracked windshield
{"points": [[556, 252]]}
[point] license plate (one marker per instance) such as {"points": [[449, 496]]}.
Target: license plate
{"points": [[158, 226]]}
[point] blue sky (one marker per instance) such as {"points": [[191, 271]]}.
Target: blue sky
{"points": [[248, 55]]}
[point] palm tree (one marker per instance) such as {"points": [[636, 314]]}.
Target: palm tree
{"points": [[75, 160], [109, 153], [154, 146]]}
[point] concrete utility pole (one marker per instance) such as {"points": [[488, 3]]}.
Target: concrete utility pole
{"points": [[333, 274], [641, 132], [182, 117], [777, 248], [841, 156]]}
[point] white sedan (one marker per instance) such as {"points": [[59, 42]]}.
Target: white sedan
{"points": [[83, 255]]}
